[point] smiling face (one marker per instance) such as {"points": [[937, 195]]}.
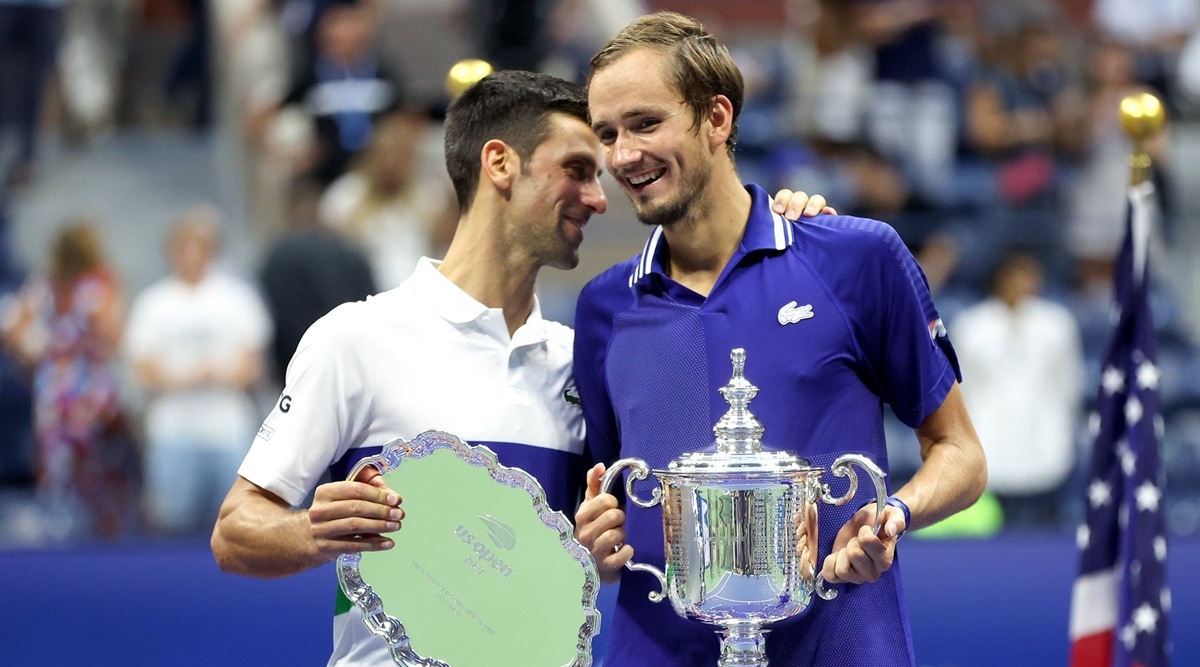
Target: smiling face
{"points": [[557, 191], [651, 142]]}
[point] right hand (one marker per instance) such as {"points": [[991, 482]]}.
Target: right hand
{"points": [[600, 526], [350, 516], [859, 556]]}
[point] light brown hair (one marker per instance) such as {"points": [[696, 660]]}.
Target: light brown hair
{"points": [[75, 251], [699, 67]]}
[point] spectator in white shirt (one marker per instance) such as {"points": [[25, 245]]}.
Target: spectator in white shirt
{"points": [[1023, 355], [196, 340]]}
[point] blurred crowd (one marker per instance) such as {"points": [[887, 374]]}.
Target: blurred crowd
{"points": [[986, 131]]}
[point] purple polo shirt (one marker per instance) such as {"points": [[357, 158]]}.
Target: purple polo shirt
{"points": [[836, 319]]}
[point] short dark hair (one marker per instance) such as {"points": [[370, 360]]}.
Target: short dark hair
{"points": [[510, 105]]}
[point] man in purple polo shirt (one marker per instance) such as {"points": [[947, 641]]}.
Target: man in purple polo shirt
{"points": [[836, 320]]}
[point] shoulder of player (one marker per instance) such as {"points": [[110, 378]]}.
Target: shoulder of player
{"points": [[614, 283], [851, 230], [840, 242], [347, 322]]}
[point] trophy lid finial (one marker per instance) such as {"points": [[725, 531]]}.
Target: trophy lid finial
{"points": [[738, 431]]}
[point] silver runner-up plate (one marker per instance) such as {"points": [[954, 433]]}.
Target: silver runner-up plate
{"points": [[484, 571]]}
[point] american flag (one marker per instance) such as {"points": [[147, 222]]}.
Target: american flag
{"points": [[1120, 603]]}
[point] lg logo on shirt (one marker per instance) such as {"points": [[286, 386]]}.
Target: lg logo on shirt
{"points": [[285, 403]]}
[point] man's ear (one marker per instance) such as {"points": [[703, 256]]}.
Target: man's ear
{"points": [[720, 121], [499, 164]]}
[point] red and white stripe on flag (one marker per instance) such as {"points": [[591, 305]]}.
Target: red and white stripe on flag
{"points": [[1093, 617]]}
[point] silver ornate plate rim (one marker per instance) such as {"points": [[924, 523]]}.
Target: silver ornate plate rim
{"points": [[390, 628]]}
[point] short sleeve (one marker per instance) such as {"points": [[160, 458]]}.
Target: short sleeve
{"points": [[598, 303], [907, 356], [317, 417]]}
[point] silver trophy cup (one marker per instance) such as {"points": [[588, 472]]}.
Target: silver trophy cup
{"points": [[740, 527]]}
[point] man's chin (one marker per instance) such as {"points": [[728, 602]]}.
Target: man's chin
{"points": [[665, 216], [566, 262]]}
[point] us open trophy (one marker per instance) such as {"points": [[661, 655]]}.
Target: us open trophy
{"points": [[740, 527]]}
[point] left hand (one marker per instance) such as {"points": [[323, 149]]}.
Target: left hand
{"points": [[859, 555], [600, 526], [792, 205]]}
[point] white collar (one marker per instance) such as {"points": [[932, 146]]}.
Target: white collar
{"points": [[454, 305]]}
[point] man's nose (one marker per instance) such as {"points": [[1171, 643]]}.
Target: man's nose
{"points": [[625, 151], [594, 197]]}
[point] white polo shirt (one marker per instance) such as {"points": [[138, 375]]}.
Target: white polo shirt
{"points": [[422, 356]]}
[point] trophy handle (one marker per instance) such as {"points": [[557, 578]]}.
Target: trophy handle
{"points": [[638, 470], [841, 468]]}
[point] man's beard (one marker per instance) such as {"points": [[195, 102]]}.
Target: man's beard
{"points": [[665, 214], [680, 206], [549, 246]]}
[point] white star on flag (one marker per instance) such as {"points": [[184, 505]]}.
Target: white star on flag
{"points": [[1129, 636], [1145, 618], [1148, 496], [1148, 375], [1113, 380], [1127, 457], [1133, 410], [1099, 494]]}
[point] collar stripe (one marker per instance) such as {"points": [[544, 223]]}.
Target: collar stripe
{"points": [[647, 260], [784, 234]]}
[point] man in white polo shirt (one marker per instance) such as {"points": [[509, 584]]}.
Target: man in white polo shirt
{"points": [[460, 346]]}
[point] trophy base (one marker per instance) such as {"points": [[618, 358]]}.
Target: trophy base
{"points": [[743, 645]]}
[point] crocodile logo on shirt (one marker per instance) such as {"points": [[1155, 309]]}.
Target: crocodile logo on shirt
{"points": [[571, 395], [792, 313]]}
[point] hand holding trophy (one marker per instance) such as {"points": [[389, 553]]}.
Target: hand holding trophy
{"points": [[740, 527]]}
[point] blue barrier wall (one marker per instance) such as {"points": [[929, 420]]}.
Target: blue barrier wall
{"points": [[974, 603]]}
